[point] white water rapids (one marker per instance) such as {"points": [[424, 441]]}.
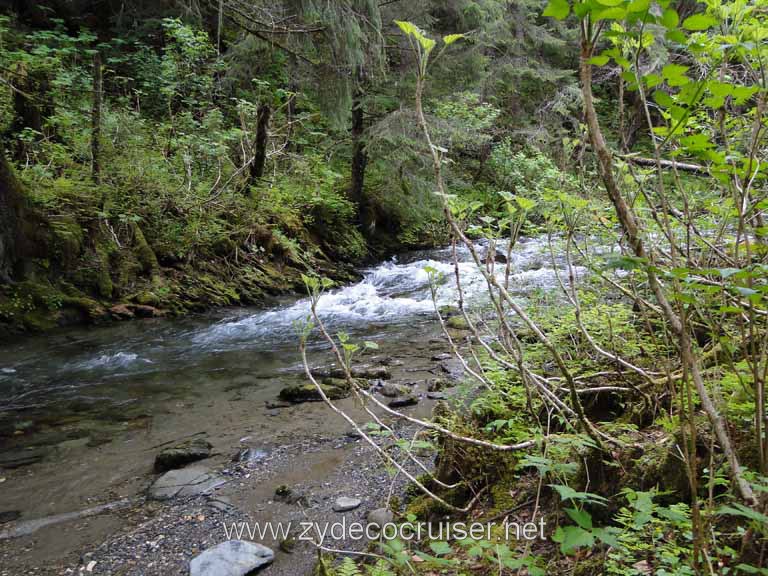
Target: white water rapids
{"points": [[392, 300]]}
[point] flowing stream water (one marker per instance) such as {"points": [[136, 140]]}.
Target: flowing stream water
{"points": [[82, 411]]}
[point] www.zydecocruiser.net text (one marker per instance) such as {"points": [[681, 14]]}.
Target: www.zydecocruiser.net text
{"points": [[320, 533]]}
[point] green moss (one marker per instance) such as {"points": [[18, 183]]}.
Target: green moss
{"points": [[148, 298], [309, 393], [68, 239], [426, 508], [457, 323], [144, 253], [92, 309]]}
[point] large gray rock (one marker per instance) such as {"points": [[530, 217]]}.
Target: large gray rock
{"points": [[392, 390], [309, 393], [344, 504], [454, 369], [182, 454], [185, 482], [231, 558]]}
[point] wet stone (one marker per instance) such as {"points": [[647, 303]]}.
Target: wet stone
{"points": [[454, 369], [436, 384], [182, 454], [184, 483], [391, 390], [309, 393], [231, 558], [345, 504], [402, 401]]}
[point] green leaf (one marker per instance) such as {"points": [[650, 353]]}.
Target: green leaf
{"points": [[568, 493], [699, 22], [744, 512], [426, 43], [670, 19], [674, 74], [572, 537], [440, 548], [581, 517], [601, 60], [451, 38], [407, 27], [557, 9], [616, 13], [639, 5], [676, 36]]}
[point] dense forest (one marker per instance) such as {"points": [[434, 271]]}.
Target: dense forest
{"points": [[186, 156], [577, 188]]}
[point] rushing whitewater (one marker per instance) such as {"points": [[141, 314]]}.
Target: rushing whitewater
{"points": [[395, 292], [393, 300]]}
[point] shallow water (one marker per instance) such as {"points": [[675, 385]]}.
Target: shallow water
{"points": [[89, 406]]}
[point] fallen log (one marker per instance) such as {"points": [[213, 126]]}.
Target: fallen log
{"points": [[683, 166]]}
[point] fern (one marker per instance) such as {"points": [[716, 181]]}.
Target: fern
{"points": [[380, 569], [348, 568]]}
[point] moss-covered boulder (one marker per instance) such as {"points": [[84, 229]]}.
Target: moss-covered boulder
{"points": [[309, 393], [457, 323]]}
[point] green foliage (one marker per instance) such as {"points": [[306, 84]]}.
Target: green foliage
{"points": [[651, 531]]}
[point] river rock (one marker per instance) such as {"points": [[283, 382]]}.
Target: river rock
{"points": [[453, 368], [231, 558], [380, 516], [189, 481], [309, 393], [391, 390], [443, 356], [182, 454], [402, 401], [345, 504], [146, 311], [436, 384], [342, 382], [365, 372], [121, 312], [436, 395], [457, 323], [447, 311]]}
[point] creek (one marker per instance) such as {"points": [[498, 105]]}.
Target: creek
{"points": [[84, 411]]}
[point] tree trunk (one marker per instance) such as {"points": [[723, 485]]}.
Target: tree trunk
{"points": [[359, 157], [290, 113], [96, 120], [11, 213], [261, 140]]}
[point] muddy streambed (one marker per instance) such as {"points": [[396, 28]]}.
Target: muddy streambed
{"points": [[83, 413]]}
